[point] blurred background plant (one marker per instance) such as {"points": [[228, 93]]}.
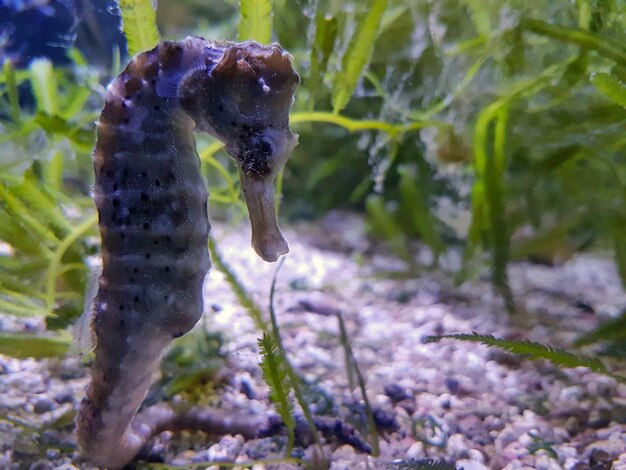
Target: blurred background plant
{"points": [[494, 129]]}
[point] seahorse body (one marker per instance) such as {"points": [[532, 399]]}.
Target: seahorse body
{"points": [[152, 204]]}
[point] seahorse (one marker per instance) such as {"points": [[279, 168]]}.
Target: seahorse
{"points": [[152, 204]]}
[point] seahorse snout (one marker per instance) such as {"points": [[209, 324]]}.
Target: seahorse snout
{"points": [[267, 240]]}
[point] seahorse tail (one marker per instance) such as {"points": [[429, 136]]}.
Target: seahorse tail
{"points": [[109, 434]]}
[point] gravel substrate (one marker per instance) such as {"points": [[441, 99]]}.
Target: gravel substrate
{"points": [[474, 407]]}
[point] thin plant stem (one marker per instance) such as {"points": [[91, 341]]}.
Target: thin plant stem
{"points": [[293, 377], [343, 337], [57, 256], [235, 284], [354, 125], [371, 423], [577, 36]]}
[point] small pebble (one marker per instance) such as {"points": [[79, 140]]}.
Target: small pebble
{"points": [[600, 460], [43, 405], [476, 397], [64, 396], [467, 464], [396, 392], [416, 451], [53, 454], [42, 465]]}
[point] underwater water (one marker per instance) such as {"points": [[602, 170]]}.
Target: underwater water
{"points": [[443, 185]]}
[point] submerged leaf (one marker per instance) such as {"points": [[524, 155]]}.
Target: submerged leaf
{"points": [[358, 54], [611, 87], [22, 345], [256, 20], [139, 25], [12, 91], [416, 208], [55, 124], [275, 373], [44, 85], [611, 330], [326, 29]]}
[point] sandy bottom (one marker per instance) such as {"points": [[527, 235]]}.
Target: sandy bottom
{"points": [[466, 404]]}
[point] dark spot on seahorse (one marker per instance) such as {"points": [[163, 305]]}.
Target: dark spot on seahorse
{"points": [[135, 270], [122, 321], [171, 176], [155, 242], [145, 197], [178, 217], [165, 297], [168, 238], [131, 280], [156, 108], [265, 149], [115, 186], [148, 255], [233, 123], [116, 202], [121, 306], [146, 226], [136, 299], [177, 335], [220, 107], [166, 269], [144, 174], [126, 120], [157, 182], [122, 236]]}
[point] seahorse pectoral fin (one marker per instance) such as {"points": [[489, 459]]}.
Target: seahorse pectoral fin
{"points": [[267, 240]]}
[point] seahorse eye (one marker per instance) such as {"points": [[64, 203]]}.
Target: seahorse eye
{"points": [[265, 149]]}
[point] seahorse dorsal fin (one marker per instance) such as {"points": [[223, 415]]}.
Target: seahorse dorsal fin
{"points": [[169, 79], [83, 341]]}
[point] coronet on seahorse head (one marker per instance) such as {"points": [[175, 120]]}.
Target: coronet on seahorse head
{"points": [[242, 96]]}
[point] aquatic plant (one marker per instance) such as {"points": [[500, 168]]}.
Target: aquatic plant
{"points": [[519, 127], [43, 266], [533, 350]]}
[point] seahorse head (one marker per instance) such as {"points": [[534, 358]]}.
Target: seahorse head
{"points": [[244, 100]]}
